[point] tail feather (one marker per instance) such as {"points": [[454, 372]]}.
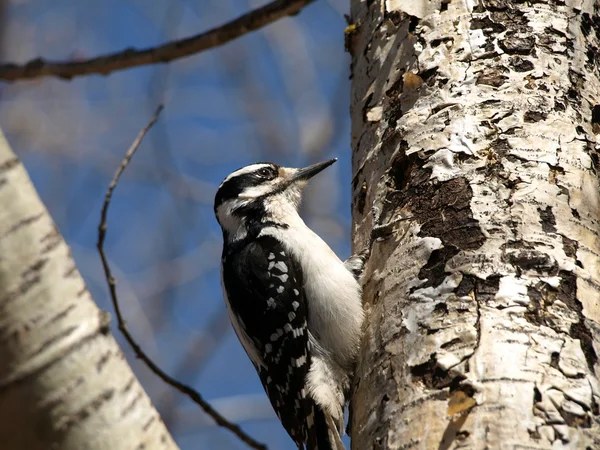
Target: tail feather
{"points": [[324, 433]]}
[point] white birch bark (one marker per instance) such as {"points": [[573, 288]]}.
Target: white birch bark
{"points": [[64, 382], [476, 172]]}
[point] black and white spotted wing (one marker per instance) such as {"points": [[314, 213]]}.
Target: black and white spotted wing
{"points": [[264, 288]]}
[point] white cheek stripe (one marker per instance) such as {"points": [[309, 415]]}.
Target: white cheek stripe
{"points": [[258, 191]]}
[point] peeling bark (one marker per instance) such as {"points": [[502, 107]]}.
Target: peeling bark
{"points": [[64, 383], [476, 164]]}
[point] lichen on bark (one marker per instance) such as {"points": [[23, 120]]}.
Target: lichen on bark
{"points": [[476, 165]]}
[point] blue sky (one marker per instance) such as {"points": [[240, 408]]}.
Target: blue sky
{"points": [[281, 94]]}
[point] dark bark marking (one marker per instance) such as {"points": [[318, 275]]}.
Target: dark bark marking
{"points": [[56, 401], [589, 24], [105, 319], [552, 36], [434, 271], [435, 395], [554, 359], [593, 56], [493, 76], [575, 213], [434, 377], [466, 286], [506, 380], [484, 290], [574, 93], [513, 44], [402, 165], [519, 64], [22, 223], [146, 426], [443, 210], [525, 259], [429, 76], [9, 164], [451, 343], [397, 17], [537, 395], [402, 168], [581, 331], [71, 272], [54, 339], [62, 314], [490, 29], [536, 309], [437, 42], [132, 404], [34, 269], [28, 376], [51, 240], [441, 308], [596, 117], [128, 385], [501, 147], [104, 359], [25, 286], [412, 26], [361, 198], [366, 107], [486, 24], [559, 105], [543, 295], [85, 412], [547, 219], [394, 112], [534, 116], [493, 18], [574, 420], [81, 292], [570, 247], [494, 5]]}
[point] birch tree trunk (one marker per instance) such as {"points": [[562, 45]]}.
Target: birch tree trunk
{"points": [[476, 174], [64, 383]]}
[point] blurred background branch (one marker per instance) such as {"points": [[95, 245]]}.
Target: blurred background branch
{"points": [[140, 353], [165, 53]]}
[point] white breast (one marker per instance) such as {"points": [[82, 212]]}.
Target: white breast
{"points": [[333, 295]]}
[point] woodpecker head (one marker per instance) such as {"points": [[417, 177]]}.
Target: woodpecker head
{"points": [[259, 193]]}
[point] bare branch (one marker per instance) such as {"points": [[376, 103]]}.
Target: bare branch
{"points": [[170, 51], [190, 392]]}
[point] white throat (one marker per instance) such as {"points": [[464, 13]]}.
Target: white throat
{"points": [[280, 208]]}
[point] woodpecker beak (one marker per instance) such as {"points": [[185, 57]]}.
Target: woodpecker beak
{"points": [[307, 173]]}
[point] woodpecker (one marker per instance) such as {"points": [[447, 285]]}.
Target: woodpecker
{"points": [[294, 305]]}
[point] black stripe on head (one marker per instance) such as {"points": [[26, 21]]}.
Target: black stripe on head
{"points": [[234, 185]]}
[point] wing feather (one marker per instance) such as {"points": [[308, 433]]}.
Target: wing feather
{"points": [[265, 288]]}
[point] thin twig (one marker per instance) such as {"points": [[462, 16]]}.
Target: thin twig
{"points": [[190, 392], [170, 51]]}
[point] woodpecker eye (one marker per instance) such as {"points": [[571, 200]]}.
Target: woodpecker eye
{"points": [[267, 173]]}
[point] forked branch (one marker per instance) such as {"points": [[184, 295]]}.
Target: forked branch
{"points": [[139, 352]]}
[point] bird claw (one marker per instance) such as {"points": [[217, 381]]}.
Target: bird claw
{"points": [[356, 263]]}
